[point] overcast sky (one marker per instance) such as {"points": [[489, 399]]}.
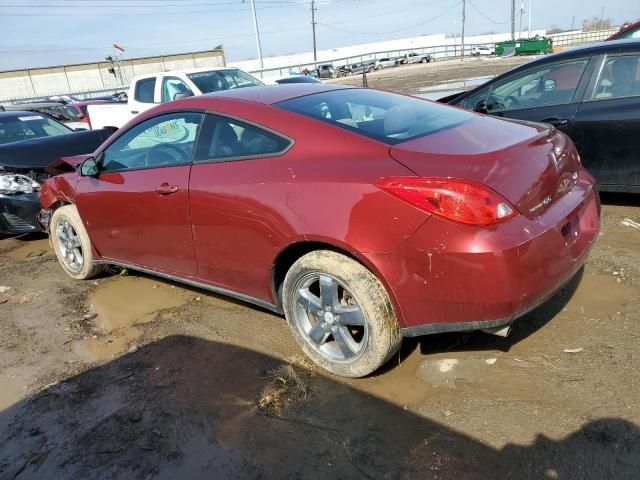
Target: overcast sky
{"points": [[56, 32]]}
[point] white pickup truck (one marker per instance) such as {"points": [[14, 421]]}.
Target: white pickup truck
{"points": [[146, 91]]}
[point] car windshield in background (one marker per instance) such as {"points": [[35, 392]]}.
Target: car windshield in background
{"points": [[383, 116], [218, 80], [29, 126]]}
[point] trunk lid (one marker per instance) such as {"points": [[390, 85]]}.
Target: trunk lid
{"points": [[529, 164]]}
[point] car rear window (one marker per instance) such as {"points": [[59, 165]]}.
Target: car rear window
{"points": [[383, 116]]}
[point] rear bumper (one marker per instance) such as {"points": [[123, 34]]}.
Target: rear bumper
{"points": [[18, 213], [450, 277]]}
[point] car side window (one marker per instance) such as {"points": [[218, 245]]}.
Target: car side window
{"points": [[160, 141], [226, 139], [619, 77], [144, 92], [172, 86], [547, 85]]}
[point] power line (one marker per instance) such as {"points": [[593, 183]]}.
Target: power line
{"points": [[485, 16], [455, 5]]}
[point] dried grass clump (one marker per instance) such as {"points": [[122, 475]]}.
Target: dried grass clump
{"points": [[285, 389]]}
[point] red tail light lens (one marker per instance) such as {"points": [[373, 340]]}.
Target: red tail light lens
{"points": [[462, 201]]}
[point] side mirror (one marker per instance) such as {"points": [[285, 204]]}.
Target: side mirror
{"points": [[549, 85], [89, 168], [481, 107], [186, 94]]}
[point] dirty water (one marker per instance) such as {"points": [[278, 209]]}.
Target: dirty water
{"points": [[601, 294], [32, 249]]}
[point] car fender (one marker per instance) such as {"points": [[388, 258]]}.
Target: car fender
{"points": [[57, 191]]}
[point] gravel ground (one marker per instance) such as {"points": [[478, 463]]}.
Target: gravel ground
{"points": [[130, 376]]}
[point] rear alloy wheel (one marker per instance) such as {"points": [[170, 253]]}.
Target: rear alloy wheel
{"points": [[340, 314], [71, 243]]}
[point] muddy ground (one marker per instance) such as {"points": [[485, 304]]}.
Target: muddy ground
{"points": [[129, 376]]}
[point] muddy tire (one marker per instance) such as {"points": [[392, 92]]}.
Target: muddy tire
{"points": [[71, 244], [340, 314]]}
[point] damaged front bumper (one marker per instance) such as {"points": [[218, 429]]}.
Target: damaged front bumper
{"points": [[19, 213]]}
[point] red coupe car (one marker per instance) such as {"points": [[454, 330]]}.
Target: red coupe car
{"points": [[361, 215]]}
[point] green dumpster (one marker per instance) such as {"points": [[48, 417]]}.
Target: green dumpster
{"points": [[525, 46]]}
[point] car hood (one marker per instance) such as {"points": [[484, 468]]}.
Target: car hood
{"points": [[530, 164], [40, 152]]}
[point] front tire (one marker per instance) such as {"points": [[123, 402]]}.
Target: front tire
{"points": [[72, 245], [340, 314]]}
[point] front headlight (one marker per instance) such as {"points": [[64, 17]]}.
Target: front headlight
{"points": [[14, 183]]}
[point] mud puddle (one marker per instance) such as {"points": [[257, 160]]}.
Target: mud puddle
{"points": [[119, 306], [601, 294], [31, 249]]}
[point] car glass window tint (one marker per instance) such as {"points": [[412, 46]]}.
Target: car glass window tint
{"points": [[546, 85], [230, 139], [171, 86], [619, 77], [164, 140], [145, 88]]}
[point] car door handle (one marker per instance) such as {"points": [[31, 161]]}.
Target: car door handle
{"points": [[556, 122], [135, 112], [166, 189]]}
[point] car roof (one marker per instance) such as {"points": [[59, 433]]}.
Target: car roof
{"points": [[16, 113], [186, 71], [271, 94], [632, 26]]}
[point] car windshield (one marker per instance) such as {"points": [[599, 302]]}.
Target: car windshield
{"points": [[28, 126], [383, 116], [227, 79]]}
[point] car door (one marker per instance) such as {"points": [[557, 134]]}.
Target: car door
{"points": [[231, 163], [144, 95], [607, 123], [136, 210], [549, 93], [174, 88]]}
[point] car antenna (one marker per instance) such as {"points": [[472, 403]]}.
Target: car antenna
{"points": [[364, 79]]}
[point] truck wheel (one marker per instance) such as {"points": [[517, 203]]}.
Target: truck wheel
{"points": [[340, 314], [71, 244], [423, 60]]}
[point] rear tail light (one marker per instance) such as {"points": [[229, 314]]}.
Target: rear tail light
{"points": [[461, 201]]}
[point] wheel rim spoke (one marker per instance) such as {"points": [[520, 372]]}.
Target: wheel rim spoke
{"points": [[308, 300], [328, 291], [351, 315], [318, 333], [344, 340]]}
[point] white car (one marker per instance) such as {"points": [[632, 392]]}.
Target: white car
{"points": [[146, 91], [385, 63], [481, 50]]}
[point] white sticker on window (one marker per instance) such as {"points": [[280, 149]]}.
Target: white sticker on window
{"points": [[32, 117]]}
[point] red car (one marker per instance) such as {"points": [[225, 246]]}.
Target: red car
{"points": [[626, 32], [361, 215], [81, 111]]}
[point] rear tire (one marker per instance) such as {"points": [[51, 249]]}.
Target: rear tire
{"points": [[72, 245], [340, 314]]}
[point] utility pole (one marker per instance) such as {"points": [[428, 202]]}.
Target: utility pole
{"points": [[530, 7], [464, 5], [513, 19], [521, 14], [313, 29], [573, 20], [601, 19], [255, 27]]}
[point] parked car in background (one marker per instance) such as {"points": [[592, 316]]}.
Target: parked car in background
{"points": [[80, 109], [327, 71], [385, 62], [481, 50], [55, 110], [359, 68], [146, 91], [29, 142], [296, 79], [627, 32], [361, 215], [591, 93], [414, 57]]}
